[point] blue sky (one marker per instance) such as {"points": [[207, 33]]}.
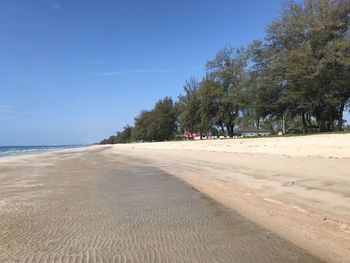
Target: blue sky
{"points": [[76, 71]]}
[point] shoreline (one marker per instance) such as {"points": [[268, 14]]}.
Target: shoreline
{"points": [[302, 195], [94, 205], [36, 149]]}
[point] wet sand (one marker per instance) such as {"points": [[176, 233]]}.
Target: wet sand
{"points": [[91, 205], [297, 187]]}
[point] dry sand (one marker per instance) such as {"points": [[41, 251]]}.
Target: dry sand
{"points": [[297, 187], [95, 204]]}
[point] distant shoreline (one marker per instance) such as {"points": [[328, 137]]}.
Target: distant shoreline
{"points": [[6, 151]]}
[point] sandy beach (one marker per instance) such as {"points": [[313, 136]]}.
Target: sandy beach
{"points": [[175, 131], [94, 205], [236, 200], [297, 187]]}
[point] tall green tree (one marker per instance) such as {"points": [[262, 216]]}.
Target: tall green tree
{"points": [[164, 124], [211, 101], [158, 124], [304, 62], [296, 78], [229, 71], [189, 105], [142, 130], [124, 136]]}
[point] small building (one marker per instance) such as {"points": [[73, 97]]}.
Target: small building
{"points": [[252, 132], [197, 135]]}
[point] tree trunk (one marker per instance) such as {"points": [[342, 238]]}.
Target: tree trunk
{"points": [[223, 129], [230, 130], [321, 122], [329, 126], [305, 130], [283, 124], [340, 116], [322, 125]]}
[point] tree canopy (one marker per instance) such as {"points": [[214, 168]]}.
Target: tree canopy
{"points": [[158, 124], [295, 79]]}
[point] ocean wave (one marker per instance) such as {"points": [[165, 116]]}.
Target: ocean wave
{"points": [[15, 150]]}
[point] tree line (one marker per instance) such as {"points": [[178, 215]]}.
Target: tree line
{"points": [[295, 80]]}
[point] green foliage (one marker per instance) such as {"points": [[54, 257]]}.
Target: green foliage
{"points": [[110, 140], [121, 137], [124, 136], [159, 124], [229, 73], [297, 79], [303, 63], [142, 129], [188, 107]]}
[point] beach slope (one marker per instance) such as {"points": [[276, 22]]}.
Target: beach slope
{"points": [[93, 204], [297, 187]]}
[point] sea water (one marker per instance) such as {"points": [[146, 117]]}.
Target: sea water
{"points": [[14, 150]]}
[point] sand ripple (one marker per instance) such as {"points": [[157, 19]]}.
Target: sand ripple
{"points": [[87, 207]]}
